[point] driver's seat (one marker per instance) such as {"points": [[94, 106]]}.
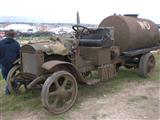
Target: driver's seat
{"points": [[100, 37]]}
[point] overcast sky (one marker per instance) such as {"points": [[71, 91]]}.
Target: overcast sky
{"points": [[91, 11]]}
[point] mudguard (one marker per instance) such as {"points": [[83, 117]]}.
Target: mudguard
{"points": [[50, 65]]}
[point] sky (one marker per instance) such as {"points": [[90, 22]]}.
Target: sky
{"points": [[91, 11]]}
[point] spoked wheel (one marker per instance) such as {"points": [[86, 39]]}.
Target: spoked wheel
{"points": [[59, 92], [146, 64], [14, 85]]}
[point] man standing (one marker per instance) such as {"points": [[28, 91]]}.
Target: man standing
{"points": [[9, 52]]}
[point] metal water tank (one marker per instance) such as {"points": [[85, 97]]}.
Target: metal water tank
{"points": [[132, 33]]}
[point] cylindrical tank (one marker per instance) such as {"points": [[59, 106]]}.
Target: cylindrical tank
{"points": [[132, 33]]}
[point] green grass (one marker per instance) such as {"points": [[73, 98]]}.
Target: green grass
{"points": [[35, 38], [31, 100], [0, 76]]}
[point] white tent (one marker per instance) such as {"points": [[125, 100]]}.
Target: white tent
{"points": [[21, 28]]}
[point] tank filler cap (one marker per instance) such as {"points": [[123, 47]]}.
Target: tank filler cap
{"points": [[131, 15]]}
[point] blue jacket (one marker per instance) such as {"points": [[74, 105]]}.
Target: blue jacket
{"points": [[9, 52]]}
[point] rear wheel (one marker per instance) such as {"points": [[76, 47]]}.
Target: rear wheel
{"points": [[146, 64], [59, 92]]}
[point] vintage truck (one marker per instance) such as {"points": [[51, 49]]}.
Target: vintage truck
{"points": [[57, 68]]}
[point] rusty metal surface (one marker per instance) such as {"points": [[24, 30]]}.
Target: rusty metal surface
{"points": [[31, 62], [96, 55], [50, 64], [106, 72], [82, 64], [48, 47], [115, 52], [141, 51], [35, 81], [131, 32], [70, 67]]}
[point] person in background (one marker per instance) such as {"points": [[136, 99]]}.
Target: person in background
{"points": [[9, 52]]}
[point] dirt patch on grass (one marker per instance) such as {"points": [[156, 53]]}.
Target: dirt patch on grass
{"points": [[137, 101]]}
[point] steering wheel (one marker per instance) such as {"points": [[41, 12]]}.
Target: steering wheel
{"points": [[81, 29]]}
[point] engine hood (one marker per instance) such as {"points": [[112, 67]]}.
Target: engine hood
{"points": [[48, 47]]}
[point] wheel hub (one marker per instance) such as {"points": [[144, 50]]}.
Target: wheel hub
{"points": [[61, 92]]}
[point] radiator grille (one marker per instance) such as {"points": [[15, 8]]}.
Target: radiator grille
{"points": [[32, 63]]}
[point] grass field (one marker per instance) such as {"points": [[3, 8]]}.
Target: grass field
{"points": [[31, 100]]}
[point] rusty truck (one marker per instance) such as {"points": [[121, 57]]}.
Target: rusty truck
{"points": [[57, 68]]}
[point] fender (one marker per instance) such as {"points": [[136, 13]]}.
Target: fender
{"points": [[50, 65]]}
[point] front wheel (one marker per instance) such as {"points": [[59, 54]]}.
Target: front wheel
{"points": [[146, 64], [59, 92]]}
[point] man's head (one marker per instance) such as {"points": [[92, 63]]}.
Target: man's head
{"points": [[10, 33]]}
